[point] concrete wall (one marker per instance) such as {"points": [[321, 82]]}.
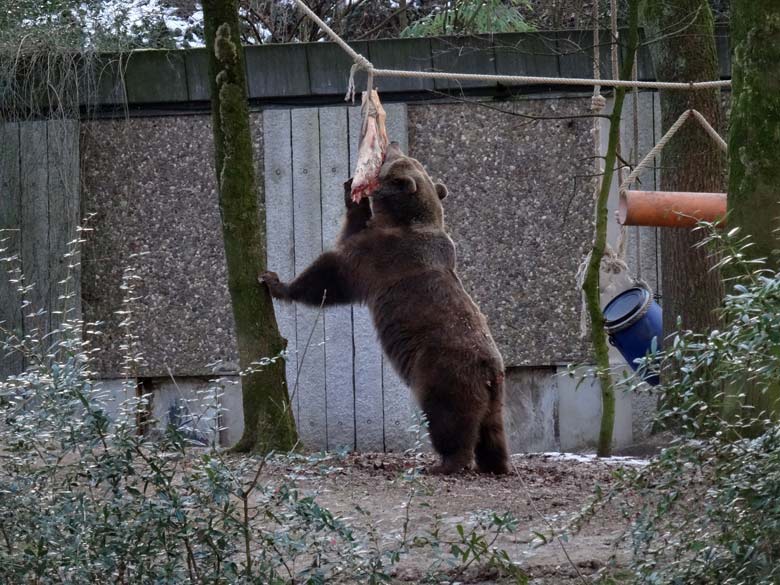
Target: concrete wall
{"points": [[519, 210], [518, 165]]}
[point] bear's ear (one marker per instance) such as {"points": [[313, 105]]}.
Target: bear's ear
{"points": [[407, 185], [441, 190]]}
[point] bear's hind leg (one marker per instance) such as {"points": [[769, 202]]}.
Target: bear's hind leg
{"points": [[454, 435], [491, 450]]}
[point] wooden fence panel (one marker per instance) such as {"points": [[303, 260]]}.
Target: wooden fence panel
{"points": [[64, 219], [10, 242], [39, 215], [397, 400], [307, 222], [369, 416], [346, 397], [280, 245], [33, 157], [339, 383]]}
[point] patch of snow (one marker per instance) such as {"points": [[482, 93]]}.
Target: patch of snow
{"points": [[591, 458], [132, 17]]}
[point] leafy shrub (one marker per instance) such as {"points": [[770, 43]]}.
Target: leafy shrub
{"points": [[472, 17], [707, 509], [87, 498]]}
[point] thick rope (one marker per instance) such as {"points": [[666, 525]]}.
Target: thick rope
{"points": [[532, 80], [650, 156], [615, 54], [361, 63]]}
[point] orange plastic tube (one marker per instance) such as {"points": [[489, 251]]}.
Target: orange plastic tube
{"points": [[670, 208]]}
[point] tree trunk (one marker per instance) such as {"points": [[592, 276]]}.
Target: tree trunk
{"points": [[754, 143], [691, 161], [591, 284], [268, 421]]}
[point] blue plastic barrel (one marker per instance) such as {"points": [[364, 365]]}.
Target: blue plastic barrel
{"points": [[632, 320]]}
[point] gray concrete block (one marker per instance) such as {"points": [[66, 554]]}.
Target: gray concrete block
{"points": [[119, 398], [190, 405], [231, 414], [531, 409], [579, 412]]}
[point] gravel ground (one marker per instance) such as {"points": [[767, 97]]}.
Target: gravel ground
{"points": [[544, 490]]}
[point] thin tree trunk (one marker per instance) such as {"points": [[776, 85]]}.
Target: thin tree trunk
{"points": [[268, 421], [591, 284], [754, 144], [691, 161], [403, 17]]}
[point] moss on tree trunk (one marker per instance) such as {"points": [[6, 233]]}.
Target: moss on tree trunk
{"points": [[591, 285], [691, 161], [754, 143], [268, 421]]}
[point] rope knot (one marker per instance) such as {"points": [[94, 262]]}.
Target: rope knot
{"points": [[598, 102], [360, 64]]}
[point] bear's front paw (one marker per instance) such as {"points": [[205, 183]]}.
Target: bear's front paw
{"points": [[348, 202], [271, 280]]}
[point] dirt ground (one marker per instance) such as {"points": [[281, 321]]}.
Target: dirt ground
{"points": [[545, 490]]}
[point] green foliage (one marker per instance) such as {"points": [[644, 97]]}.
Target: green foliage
{"points": [[707, 509], [97, 24], [471, 17], [87, 498]]}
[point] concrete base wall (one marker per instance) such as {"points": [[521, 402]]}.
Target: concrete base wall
{"points": [[545, 409]]}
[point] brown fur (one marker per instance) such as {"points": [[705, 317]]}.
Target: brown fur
{"points": [[394, 255]]}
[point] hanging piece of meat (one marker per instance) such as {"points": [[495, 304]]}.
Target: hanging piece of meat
{"points": [[372, 149]]}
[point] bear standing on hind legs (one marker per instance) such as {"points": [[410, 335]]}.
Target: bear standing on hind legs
{"points": [[394, 255]]}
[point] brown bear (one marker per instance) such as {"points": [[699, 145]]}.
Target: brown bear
{"points": [[394, 255]]}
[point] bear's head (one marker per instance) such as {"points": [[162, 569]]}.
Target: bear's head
{"points": [[406, 194]]}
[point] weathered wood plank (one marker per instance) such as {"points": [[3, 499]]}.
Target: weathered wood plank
{"points": [[35, 224], [329, 68], [397, 403], [339, 385], [307, 221], [723, 47], [463, 55], [368, 353], [575, 54], [10, 243], [105, 82], [64, 218], [277, 70], [280, 244], [407, 54], [196, 65], [156, 77], [527, 54]]}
